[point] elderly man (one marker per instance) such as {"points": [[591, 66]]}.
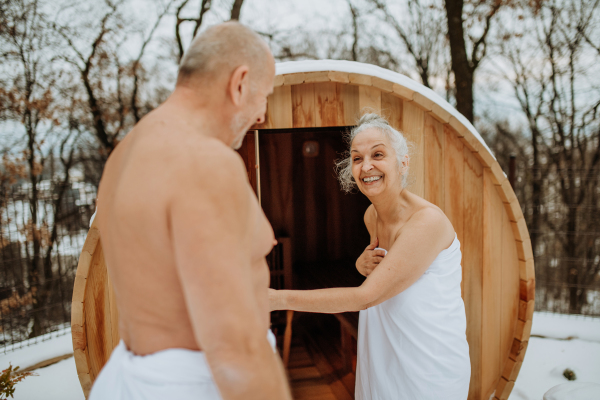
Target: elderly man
{"points": [[185, 239]]}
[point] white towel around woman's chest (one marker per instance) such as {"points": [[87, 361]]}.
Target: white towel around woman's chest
{"points": [[413, 346]]}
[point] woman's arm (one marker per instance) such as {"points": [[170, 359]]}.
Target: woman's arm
{"points": [[329, 301], [423, 237]]}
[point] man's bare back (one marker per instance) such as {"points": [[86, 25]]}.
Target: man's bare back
{"points": [[141, 180], [184, 237]]}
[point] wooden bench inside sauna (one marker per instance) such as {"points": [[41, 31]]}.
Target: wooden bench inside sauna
{"points": [[290, 162]]}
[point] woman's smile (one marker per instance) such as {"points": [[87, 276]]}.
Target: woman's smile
{"points": [[371, 180]]}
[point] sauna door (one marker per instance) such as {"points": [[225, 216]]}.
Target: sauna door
{"points": [[248, 151]]}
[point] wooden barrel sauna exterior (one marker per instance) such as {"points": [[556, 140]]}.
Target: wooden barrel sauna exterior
{"points": [[451, 167]]}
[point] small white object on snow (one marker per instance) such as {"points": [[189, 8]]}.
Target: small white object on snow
{"points": [[291, 67], [574, 391]]}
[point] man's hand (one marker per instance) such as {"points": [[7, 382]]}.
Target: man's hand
{"points": [[370, 258]]}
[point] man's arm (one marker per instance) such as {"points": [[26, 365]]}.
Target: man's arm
{"points": [[210, 221]]}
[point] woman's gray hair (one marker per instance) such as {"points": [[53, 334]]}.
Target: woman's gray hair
{"points": [[396, 138]]}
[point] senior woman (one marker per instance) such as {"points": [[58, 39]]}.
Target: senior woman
{"points": [[411, 334]]}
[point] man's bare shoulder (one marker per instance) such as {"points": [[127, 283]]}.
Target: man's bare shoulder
{"points": [[194, 156]]}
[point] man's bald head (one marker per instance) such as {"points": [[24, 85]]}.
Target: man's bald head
{"points": [[219, 50]]}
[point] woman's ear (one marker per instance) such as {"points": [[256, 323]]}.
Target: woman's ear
{"points": [[405, 162], [238, 84]]}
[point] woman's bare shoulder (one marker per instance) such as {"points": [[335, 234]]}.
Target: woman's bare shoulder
{"points": [[431, 220], [370, 219]]}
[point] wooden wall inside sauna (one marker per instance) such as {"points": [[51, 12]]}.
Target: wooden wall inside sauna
{"points": [[302, 198], [446, 170]]}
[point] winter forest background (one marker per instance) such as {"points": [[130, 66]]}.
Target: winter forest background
{"points": [[76, 75]]}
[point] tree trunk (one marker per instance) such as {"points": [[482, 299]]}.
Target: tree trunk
{"points": [[236, 9], [463, 72], [536, 192]]}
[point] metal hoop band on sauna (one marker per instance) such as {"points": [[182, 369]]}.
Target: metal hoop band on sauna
{"points": [[451, 167]]}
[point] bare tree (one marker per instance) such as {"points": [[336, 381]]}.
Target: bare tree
{"points": [[30, 96], [236, 9], [553, 73], [111, 86], [197, 22], [422, 33], [465, 62]]}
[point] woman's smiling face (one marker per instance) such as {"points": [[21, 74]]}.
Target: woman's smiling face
{"points": [[374, 163]]}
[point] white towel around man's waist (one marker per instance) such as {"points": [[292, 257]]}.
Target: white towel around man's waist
{"points": [[169, 374]]}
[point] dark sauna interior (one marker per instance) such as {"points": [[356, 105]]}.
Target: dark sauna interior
{"points": [[321, 233]]}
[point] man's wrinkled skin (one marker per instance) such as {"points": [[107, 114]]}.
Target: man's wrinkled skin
{"points": [[184, 237]]}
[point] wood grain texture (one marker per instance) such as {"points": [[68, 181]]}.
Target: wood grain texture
{"points": [[491, 287], [329, 106], [337, 76], [279, 105], [369, 99], [392, 110], [382, 84], [350, 104], [510, 289], [439, 113], [83, 266], [303, 106], [114, 315], [472, 265], [453, 181], [433, 152], [360, 79], [424, 102], [97, 315], [404, 92], [413, 121]]}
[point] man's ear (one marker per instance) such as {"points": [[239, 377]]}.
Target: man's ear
{"points": [[238, 84]]}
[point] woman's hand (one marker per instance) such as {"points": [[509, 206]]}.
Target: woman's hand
{"points": [[370, 258]]}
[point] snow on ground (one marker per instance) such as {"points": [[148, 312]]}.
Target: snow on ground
{"points": [[567, 342], [34, 351], [55, 382]]}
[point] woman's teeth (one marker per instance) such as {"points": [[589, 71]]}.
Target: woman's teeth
{"points": [[372, 178]]}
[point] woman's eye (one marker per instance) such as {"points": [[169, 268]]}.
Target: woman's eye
{"points": [[378, 154], [356, 159]]}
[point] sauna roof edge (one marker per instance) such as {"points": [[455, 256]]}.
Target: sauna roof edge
{"points": [[292, 67]]}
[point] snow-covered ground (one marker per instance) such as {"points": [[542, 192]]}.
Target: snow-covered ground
{"points": [[557, 342]]}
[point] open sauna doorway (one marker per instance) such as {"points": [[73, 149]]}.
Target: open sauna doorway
{"points": [[324, 231], [302, 199]]}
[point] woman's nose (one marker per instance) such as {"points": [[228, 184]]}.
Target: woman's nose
{"points": [[367, 166]]}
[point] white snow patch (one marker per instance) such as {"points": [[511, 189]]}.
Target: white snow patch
{"points": [[55, 382], [560, 326], [574, 390], [50, 346], [547, 358], [291, 67]]}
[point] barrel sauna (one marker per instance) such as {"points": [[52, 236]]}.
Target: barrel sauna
{"points": [[289, 160]]}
